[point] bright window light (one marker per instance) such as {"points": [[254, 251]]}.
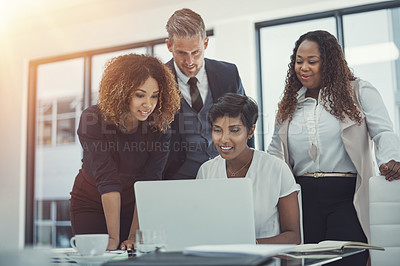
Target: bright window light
{"points": [[372, 53]]}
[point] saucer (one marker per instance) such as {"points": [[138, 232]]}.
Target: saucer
{"points": [[91, 260]]}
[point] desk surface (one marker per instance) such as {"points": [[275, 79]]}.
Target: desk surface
{"points": [[61, 258], [178, 259]]}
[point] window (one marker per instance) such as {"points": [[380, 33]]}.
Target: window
{"points": [[161, 52], [372, 51], [370, 38], [59, 104]]}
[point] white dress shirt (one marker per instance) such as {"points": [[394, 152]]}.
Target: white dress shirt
{"points": [[314, 135], [202, 84]]}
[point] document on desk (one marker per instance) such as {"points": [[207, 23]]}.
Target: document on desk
{"points": [[328, 245], [262, 250]]}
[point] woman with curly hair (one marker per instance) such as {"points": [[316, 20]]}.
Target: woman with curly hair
{"points": [[324, 127], [124, 139]]}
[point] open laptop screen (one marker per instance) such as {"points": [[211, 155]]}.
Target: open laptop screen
{"points": [[197, 212]]}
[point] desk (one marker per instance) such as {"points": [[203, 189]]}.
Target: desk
{"points": [[178, 259], [59, 257]]}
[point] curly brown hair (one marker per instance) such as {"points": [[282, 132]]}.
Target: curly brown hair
{"points": [[338, 96], [124, 75]]}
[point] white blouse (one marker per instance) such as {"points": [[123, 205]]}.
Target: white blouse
{"points": [[314, 135], [271, 180]]}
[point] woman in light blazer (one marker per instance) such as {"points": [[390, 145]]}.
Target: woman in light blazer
{"points": [[325, 125]]}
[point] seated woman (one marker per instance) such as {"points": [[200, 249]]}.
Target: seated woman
{"points": [[233, 118]]}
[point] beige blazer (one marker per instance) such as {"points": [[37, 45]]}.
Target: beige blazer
{"points": [[358, 145]]}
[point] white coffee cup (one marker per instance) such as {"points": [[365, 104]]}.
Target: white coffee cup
{"points": [[90, 244]]}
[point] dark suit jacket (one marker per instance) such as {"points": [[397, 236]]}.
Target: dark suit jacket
{"points": [[222, 78]]}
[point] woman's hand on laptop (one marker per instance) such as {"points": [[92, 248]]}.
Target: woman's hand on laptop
{"points": [[130, 242]]}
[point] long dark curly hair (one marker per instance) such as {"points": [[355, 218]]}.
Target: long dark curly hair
{"points": [[124, 75], [338, 96]]}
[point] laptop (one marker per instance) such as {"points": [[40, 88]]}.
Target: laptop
{"points": [[197, 212]]}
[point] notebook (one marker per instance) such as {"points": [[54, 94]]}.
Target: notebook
{"points": [[197, 212]]}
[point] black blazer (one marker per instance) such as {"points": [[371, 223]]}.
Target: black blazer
{"points": [[222, 78]]}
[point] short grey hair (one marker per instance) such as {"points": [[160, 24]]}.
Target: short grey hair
{"points": [[185, 23]]}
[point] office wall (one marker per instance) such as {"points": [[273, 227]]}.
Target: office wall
{"points": [[66, 32]]}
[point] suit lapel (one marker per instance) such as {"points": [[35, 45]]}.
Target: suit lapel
{"points": [[170, 65], [283, 135], [212, 78]]}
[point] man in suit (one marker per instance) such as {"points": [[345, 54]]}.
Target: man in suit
{"points": [[201, 81]]}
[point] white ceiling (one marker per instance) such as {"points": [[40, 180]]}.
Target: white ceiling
{"points": [[73, 11], [19, 16], [27, 8]]}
